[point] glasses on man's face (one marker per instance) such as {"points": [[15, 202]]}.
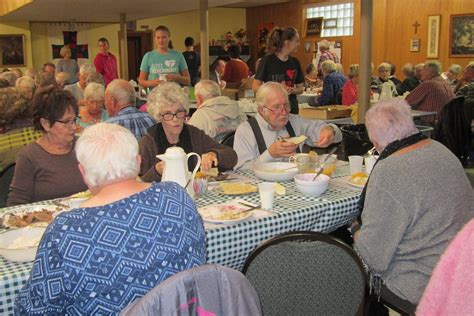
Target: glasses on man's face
{"points": [[70, 123], [169, 116], [278, 109]]}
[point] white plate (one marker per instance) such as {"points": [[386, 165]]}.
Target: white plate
{"points": [[23, 210], [355, 184], [276, 171], [29, 236], [211, 213]]}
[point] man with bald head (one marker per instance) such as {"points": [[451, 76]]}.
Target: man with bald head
{"points": [[120, 104]]}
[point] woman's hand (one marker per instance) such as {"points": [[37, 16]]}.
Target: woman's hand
{"points": [[209, 160], [159, 167]]}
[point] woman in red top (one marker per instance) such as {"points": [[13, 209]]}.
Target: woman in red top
{"points": [[235, 69], [349, 90]]}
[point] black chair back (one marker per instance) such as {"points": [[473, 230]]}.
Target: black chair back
{"points": [[6, 177], [306, 273], [228, 139]]}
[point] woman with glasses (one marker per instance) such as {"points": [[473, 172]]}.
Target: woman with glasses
{"points": [[93, 111], [47, 168], [168, 105]]}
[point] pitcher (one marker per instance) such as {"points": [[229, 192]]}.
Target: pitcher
{"points": [[176, 166]]}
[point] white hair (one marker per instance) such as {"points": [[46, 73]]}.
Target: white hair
{"points": [[165, 95], [10, 76], [94, 91], [408, 70], [324, 44], [62, 78], [328, 66], [385, 66], [87, 68], [207, 89], [122, 91], [25, 84], [455, 69], [389, 121], [108, 154], [267, 88], [65, 49]]}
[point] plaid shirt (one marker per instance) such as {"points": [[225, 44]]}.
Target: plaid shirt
{"points": [[134, 120], [333, 82], [13, 141], [327, 55], [467, 90], [431, 95]]}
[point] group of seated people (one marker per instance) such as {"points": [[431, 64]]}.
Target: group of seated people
{"points": [[80, 269]]}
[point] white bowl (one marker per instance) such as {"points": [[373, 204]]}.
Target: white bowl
{"points": [[305, 185], [28, 236], [276, 171]]}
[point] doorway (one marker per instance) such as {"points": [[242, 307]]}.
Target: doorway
{"points": [[138, 43]]}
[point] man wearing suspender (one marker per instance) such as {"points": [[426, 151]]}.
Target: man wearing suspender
{"points": [[258, 140]]}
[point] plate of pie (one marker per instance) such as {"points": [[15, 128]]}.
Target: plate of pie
{"points": [[229, 213], [358, 179]]}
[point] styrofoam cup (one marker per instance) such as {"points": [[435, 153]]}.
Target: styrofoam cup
{"points": [[369, 163], [355, 163], [267, 194]]}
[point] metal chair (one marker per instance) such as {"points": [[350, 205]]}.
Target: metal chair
{"points": [[307, 273], [6, 177], [205, 290]]}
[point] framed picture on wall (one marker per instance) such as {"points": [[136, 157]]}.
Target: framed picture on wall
{"points": [[13, 50], [330, 23], [415, 45], [433, 36], [461, 35], [313, 26]]}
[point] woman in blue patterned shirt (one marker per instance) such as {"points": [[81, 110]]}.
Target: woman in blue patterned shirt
{"points": [[126, 239]]}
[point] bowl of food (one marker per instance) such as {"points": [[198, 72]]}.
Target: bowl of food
{"points": [[305, 184], [20, 244], [276, 171], [329, 165]]}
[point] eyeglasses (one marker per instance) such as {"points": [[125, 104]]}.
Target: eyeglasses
{"points": [[69, 123], [169, 116], [278, 109], [96, 101]]}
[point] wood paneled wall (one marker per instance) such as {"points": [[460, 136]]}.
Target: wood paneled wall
{"points": [[392, 29]]}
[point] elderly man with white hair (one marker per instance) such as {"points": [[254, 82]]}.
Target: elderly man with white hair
{"points": [[417, 198], [433, 93], [326, 54], [77, 89], [126, 239], [216, 115], [261, 139], [26, 85], [120, 104]]}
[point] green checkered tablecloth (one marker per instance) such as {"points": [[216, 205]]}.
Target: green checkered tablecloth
{"points": [[229, 245]]}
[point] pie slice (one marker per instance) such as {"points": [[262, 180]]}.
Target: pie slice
{"points": [[296, 140]]}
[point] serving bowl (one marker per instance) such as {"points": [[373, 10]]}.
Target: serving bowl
{"points": [[20, 244], [305, 184], [275, 171]]}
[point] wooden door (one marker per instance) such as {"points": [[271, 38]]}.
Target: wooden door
{"points": [[138, 43]]}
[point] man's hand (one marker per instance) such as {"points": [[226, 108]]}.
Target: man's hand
{"points": [[326, 137], [281, 149], [208, 160]]}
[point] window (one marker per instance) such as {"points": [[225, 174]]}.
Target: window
{"points": [[341, 18]]}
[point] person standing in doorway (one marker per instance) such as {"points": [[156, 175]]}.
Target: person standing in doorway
{"points": [[193, 60], [105, 62]]}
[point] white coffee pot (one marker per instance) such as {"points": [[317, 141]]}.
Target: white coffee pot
{"points": [[176, 166], [386, 93]]}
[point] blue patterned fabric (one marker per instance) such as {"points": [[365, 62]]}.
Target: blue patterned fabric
{"points": [[95, 261], [332, 83], [132, 119]]}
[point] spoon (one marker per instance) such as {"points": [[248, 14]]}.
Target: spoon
{"points": [[325, 159]]}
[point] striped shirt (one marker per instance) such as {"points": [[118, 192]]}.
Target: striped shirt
{"points": [[431, 95], [134, 120], [327, 55]]}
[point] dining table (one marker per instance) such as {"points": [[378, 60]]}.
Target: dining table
{"points": [[229, 244]]}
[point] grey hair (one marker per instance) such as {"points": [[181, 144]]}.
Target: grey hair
{"points": [[388, 121], [408, 70], [207, 89], [323, 44], [62, 78], [455, 69], [164, 95], [122, 91], [385, 66], [108, 154], [95, 77], [434, 66], [94, 91], [25, 84], [267, 88], [353, 71], [470, 65], [328, 66], [64, 50], [10, 76], [87, 68]]}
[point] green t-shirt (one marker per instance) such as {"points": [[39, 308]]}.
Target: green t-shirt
{"points": [[155, 64]]}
